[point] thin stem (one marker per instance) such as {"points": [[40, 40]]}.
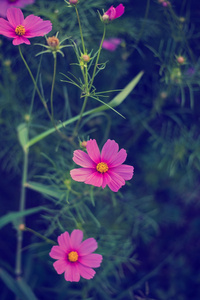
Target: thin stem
{"points": [[18, 267], [40, 236], [53, 84], [41, 98], [80, 28], [98, 55], [34, 82], [80, 116]]}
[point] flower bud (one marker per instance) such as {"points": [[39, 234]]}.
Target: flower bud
{"points": [[84, 144], [180, 60], [85, 58], [53, 42], [21, 227]]}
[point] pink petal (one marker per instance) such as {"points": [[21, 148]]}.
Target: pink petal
{"points": [[35, 26], [111, 12], [64, 241], [119, 11], [76, 238], [15, 16], [60, 266], [109, 150], [93, 151], [86, 272], [118, 159], [95, 179], [125, 171], [91, 260], [6, 29], [82, 159], [116, 183], [32, 21], [87, 247], [57, 252], [72, 272], [81, 174], [20, 40], [106, 179]]}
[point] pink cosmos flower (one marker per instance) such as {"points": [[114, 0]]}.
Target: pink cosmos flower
{"points": [[21, 29], [101, 169], [111, 44], [113, 13], [74, 257], [5, 4]]}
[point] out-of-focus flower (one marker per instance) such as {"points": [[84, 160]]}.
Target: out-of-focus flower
{"points": [[111, 44], [101, 169], [21, 29], [74, 257], [73, 2], [113, 13], [5, 4]]}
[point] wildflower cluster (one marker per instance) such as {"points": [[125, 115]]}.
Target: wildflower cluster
{"points": [[73, 257]]}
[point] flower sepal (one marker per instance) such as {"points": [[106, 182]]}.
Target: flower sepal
{"points": [[53, 45]]}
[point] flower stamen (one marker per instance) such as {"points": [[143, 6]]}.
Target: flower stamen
{"points": [[102, 167], [73, 256], [20, 30]]}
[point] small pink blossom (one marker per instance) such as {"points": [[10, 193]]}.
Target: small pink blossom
{"points": [[21, 29], [74, 257], [101, 169], [113, 13], [111, 44], [5, 4]]}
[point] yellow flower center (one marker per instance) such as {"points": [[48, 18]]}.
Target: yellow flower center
{"points": [[73, 256], [20, 30], [102, 167]]}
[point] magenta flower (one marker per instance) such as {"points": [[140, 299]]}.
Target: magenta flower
{"points": [[113, 13], [21, 29], [74, 257], [111, 44], [5, 4], [101, 169]]}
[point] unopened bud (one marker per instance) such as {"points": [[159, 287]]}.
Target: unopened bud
{"points": [[85, 58], [53, 42], [180, 60], [84, 144], [21, 227]]}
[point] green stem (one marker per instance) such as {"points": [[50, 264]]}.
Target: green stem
{"points": [[18, 267], [80, 28], [91, 82], [80, 116], [97, 60], [53, 84], [34, 82], [40, 236]]}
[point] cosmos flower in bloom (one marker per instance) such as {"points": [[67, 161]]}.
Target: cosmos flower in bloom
{"points": [[113, 13], [21, 29], [101, 169], [74, 257], [111, 44], [5, 4]]}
